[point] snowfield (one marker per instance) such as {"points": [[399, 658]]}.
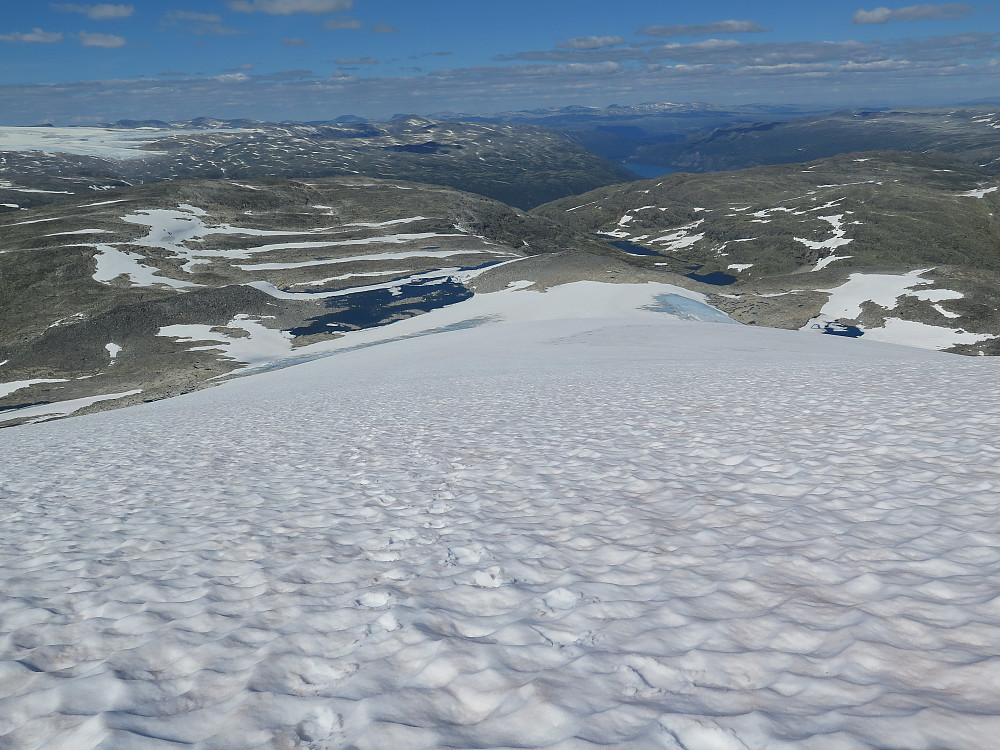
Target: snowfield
{"points": [[564, 527]]}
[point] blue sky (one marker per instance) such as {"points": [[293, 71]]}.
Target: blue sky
{"points": [[79, 63]]}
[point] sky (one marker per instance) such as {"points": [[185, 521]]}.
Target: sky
{"points": [[305, 60]]}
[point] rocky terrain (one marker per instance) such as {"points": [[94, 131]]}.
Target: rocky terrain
{"points": [[905, 245]]}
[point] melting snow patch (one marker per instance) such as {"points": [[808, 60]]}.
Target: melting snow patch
{"points": [[43, 412], [922, 335], [8, 388], [977, 193], [7, 185], [389, 223], [885, 290], [680, 237], [824, 262], [112, 263], [79, 231], [113, 351], [258, 344]]}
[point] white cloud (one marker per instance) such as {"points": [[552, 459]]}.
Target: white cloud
{"points": [[289, 7], [590, 42], [383, 28], [294, 42], [343, 23], [34, 36], [108, 41], [356, 61], [706, 29], [99, 12], [943, 12]]}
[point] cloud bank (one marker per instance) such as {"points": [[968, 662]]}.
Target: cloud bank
{"points": [[945, 12], [35, 36], [289, 7], [100, 12], [705, 29], [108, 41]]}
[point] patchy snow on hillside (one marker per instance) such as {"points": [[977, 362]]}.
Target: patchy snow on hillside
{"points": [[589, 525], [885, 290]]}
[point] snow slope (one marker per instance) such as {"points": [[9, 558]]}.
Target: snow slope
{"points": [[550, 531]]}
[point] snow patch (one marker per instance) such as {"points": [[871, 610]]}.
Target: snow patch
{"points": [[978, 193]]}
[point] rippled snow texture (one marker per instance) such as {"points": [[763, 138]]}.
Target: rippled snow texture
{"points": [[563, 535]]}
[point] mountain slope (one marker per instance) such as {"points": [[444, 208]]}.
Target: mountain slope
{"points": [[968, 133], [785, 244], [160, 287], [521, 165]]}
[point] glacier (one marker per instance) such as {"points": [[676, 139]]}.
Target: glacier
{"points": [[579, 523]]}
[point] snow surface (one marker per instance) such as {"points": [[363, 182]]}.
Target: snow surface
{"points": [[555, 531]]}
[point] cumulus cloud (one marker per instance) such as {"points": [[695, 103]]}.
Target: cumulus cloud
{"points": [[705, 29], [943, 12], [590, 42], [710, 52], [99, 12], [289, 7], [35, 36], [383, 28], [108, 41]]}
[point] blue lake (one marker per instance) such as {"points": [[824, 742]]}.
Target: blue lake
{"points": [[716, 278], [378, 307]]}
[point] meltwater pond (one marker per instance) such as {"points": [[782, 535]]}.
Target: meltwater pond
{"points": [[687, 309]]}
